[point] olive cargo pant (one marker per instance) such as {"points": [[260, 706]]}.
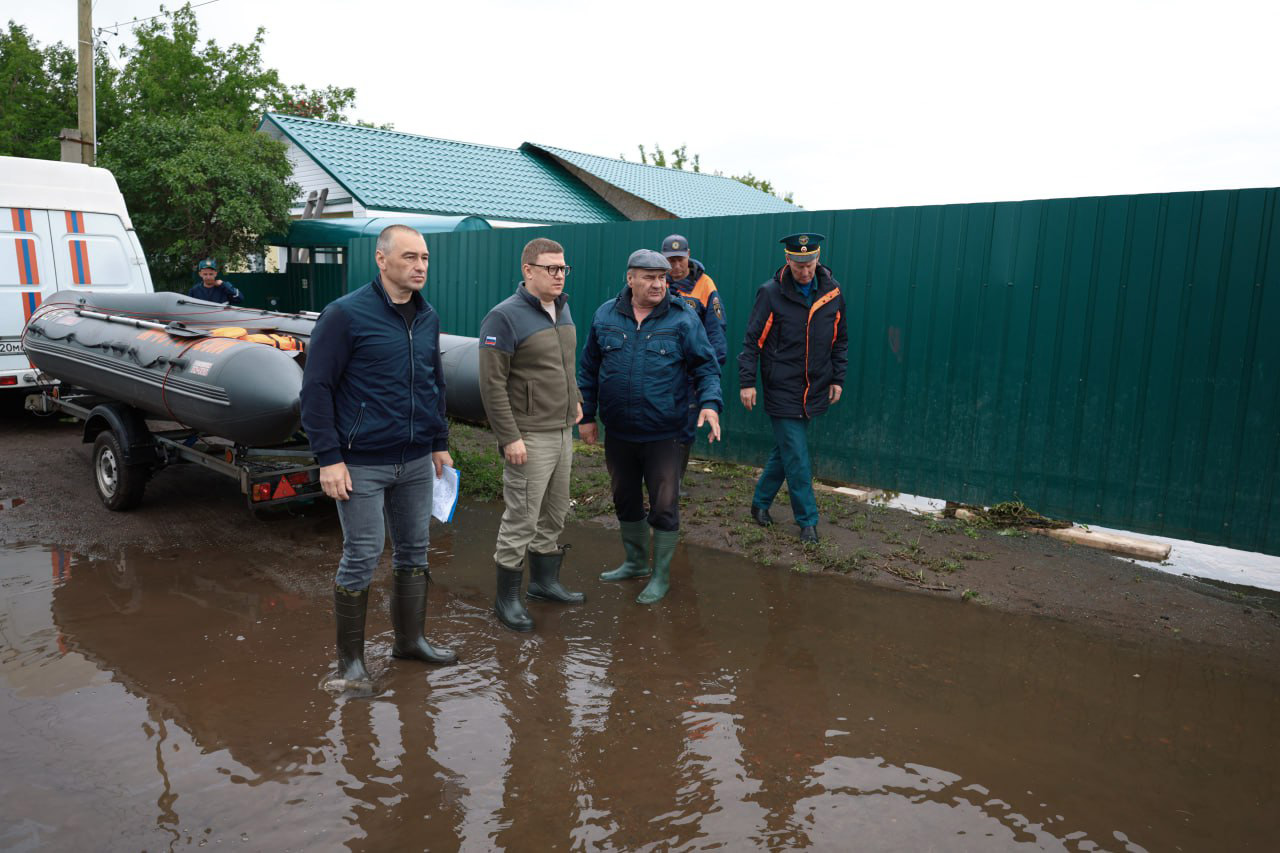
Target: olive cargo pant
{"points": [[536, 496]]}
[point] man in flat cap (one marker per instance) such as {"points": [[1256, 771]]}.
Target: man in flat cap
{"points": [[797, 329], [689, 281], [643, 349]]}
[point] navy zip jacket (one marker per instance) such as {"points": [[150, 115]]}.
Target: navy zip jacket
{"points": [[373, 387], [224, 292], [637, 379], [801, 345]]}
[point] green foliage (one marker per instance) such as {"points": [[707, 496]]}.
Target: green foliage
{"points": [[38, 94], [168, 72], [479, 465], [677, 160], [196, 188], [678, 157], [178, 127]]}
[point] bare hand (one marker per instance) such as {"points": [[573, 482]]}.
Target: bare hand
{"points": [[833, 393], [441, 458], [748, 398], [515, 452], [335, 480], [589, 432], [578, 418], [712, 417]]}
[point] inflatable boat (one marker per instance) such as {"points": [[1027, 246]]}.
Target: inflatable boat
{"points": [[228, 371]]}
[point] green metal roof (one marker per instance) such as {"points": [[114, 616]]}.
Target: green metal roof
{"points": [[684, 194], [341, 231], [389, 170]]}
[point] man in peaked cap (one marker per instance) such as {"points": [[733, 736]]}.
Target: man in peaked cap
{"points": [[211, 288], [797, 329], [689, 281], [646, 349]]}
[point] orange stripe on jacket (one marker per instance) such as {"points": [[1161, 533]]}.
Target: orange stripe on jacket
{"points": [[768, 324]]}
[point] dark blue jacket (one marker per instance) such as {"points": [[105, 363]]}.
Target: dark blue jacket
{"points": [[799, 344], [637, 379], [706, 300], [373, 388], [225, 293]]}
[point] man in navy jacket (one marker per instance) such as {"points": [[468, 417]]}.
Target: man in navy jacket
{"points": [[373, 407], [211, 288], [796, 336], [642, 350]]}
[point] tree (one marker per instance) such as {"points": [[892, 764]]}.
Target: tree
{"points": [[177, 124], [38, 94], [679, 157], [197, 189]]}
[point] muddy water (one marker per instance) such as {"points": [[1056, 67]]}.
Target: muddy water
{"points": [[164, 701]]}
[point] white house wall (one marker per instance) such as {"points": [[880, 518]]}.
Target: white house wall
{"points": [[310, 175]]}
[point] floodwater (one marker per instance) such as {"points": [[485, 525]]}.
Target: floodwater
{"points": [[171, 701]]}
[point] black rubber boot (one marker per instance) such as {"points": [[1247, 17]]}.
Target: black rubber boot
{"points": [[349, 609], [409, 614], [507, 605], [544, 579]]}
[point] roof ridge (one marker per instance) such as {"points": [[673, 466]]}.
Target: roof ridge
{"points": [[394, 132], [630, 163]]}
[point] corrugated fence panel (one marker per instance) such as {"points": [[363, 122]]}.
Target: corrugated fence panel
{"points": [[1109, 360]]}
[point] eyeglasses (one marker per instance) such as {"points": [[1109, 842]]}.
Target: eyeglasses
{"points": [[554, 270]]}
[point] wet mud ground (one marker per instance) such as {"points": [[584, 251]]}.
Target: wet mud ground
{"points": [[160, 688]]}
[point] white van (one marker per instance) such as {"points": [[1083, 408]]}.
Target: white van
{"points": [[63, 226]]}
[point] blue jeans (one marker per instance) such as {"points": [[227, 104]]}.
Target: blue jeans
{"points": [[789, 461], [385, 497]]}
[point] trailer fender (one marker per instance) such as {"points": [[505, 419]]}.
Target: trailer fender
{"points": [[136, 443]]}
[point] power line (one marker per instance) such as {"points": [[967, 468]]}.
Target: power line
{"points": [[115, 28]]}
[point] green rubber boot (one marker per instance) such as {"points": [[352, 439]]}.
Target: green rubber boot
{"points": [[635, 542], [664, 548]]}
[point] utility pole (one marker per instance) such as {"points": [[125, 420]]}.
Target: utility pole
{"points": [[85, 84]]}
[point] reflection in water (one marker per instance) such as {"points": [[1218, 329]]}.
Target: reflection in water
{"points": [[175, 697]]}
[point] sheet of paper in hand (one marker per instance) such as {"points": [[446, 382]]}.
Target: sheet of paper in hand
{"points": [[444, 494]]}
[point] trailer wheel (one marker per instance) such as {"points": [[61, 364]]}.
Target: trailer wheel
{"points": [[119, 485]]}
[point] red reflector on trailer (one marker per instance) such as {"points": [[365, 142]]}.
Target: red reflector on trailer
{"points": [[262, 491], [283, 490], [8, 380], [298, 479]]}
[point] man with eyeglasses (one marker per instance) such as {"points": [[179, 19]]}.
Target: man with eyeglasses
{"points": [[643, 349], [527, 346], [688, 280]]}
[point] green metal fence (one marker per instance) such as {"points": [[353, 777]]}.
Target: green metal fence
{"points": [[1109, 360]]}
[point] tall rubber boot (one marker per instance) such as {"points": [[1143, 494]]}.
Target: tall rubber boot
{"points": [[544, 579], [664, 548], [507, 605], [409, 614], [349, 609], [635, 544]]}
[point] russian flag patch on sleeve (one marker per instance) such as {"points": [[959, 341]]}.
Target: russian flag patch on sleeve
{"points": [[490, 341]]}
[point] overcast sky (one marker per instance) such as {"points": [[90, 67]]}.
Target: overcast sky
{"points": [[846, 104]]}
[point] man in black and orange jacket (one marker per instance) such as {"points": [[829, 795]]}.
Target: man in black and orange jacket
{"points": [[797, 336]]}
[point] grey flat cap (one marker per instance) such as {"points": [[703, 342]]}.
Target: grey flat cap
{"points": [[647, 259]]}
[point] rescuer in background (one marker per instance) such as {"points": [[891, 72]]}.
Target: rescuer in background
{"points": [[688, 280], [527, 383], [645, 349], [373, 407], [797, 329], [213, 289]]}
